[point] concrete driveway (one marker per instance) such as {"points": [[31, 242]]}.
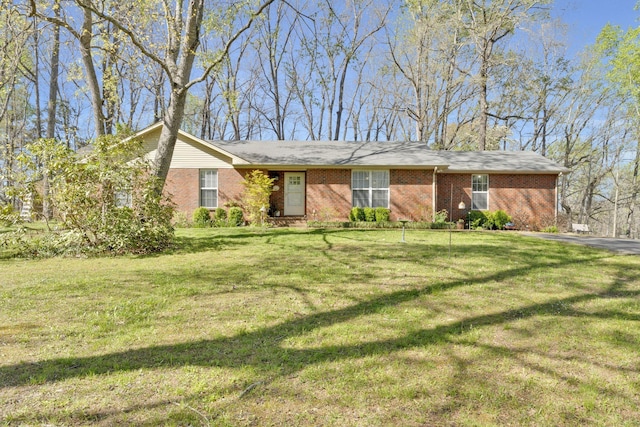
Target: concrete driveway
{"points": [[621, 246]]}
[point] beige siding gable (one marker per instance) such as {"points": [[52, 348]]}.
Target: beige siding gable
{"points": [[187, 154]]}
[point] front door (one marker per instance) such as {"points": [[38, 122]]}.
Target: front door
{"points": [[294, 190]]}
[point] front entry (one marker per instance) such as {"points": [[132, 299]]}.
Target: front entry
{"points": [[294, 190]]}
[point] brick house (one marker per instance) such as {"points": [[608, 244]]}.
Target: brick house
{"points": [[324, 179]]}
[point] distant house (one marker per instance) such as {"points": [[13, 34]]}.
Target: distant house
{"points": [[325, 179]]}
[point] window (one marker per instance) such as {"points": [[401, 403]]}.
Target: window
{"points": [[370, 189], [123, 199], [209, 188], [480, 192]]}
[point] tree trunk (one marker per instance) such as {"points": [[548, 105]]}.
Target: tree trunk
{"points": [[53, 82], [90, 72]]}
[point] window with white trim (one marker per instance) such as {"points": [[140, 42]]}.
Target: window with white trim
{"points": [[123, 198], [480, 192], [209, 188], [370, 189]]}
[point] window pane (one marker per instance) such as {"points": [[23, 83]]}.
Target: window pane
{"points": [[361, 198], [209, 198], [479, 201], [360, 179], [123, 199], [380, 198], [380, 179], [480, 182], [208, 179]]}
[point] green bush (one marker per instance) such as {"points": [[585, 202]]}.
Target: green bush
{"points": [[257, 192], [356, 214], [181, 220], [477, 219], [369, 214], [105, 201], [236, 217], [382, 214], [201, 217], [220, 217], [8, 216], [497, 220], [550, 229], [441, 217]]}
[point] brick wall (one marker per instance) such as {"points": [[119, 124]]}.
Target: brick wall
{"points": [[410, 194], [230, 186], [183, 185], [529, 199], [328, 194]]}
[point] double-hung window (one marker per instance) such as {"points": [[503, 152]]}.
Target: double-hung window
{"points": [[209, 188], [370, 189], [480, 192], [123, 198]]}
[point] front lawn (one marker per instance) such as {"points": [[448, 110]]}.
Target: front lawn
{"points": [[324, 327]]}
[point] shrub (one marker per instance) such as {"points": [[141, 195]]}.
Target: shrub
{"points": [[8, 216], [356, 214], [441, 217], [180, 219], [369, 214], [257, 191], [220, 217], [550, 229], [382, 214], [106, 201], [236, 217], [497, 220], [201, 217], [477, 219]]}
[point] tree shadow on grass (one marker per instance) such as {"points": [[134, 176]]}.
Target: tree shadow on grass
{"points": [[264, 350]]}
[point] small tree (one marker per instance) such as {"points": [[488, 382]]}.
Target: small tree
{"points": [[257, 191], [107, 200]]}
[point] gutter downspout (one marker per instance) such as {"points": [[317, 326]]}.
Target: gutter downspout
{"points": [[434, 199]]}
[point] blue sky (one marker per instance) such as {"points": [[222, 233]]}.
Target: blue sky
{"points": [[587, 17]]}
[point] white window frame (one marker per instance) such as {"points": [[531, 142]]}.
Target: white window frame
{"points": [[475, 191], [123, 198], [203, 188], [369, 188]]}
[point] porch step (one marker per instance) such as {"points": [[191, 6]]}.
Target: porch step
{"points": [[287, 221]]}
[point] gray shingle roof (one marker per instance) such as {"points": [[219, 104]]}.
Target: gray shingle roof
{"points": [[389, 154]]}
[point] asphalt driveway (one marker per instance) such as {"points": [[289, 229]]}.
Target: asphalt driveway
{"points": [[621, 246]]}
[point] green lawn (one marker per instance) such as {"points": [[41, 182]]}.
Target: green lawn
{"points": [[324, 327]]}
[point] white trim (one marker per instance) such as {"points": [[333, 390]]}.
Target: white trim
{"points": [[480, 192], [370, 188], [201, 188]]}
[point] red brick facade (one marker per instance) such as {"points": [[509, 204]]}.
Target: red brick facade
{"points": [[328, 194], [411, 194], [183, 185], [529, 199]]}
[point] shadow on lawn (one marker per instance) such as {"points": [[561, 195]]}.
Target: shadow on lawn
{"points": [[263, 348]]}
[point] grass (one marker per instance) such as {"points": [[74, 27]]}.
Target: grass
{"points": [[324, 327]]}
